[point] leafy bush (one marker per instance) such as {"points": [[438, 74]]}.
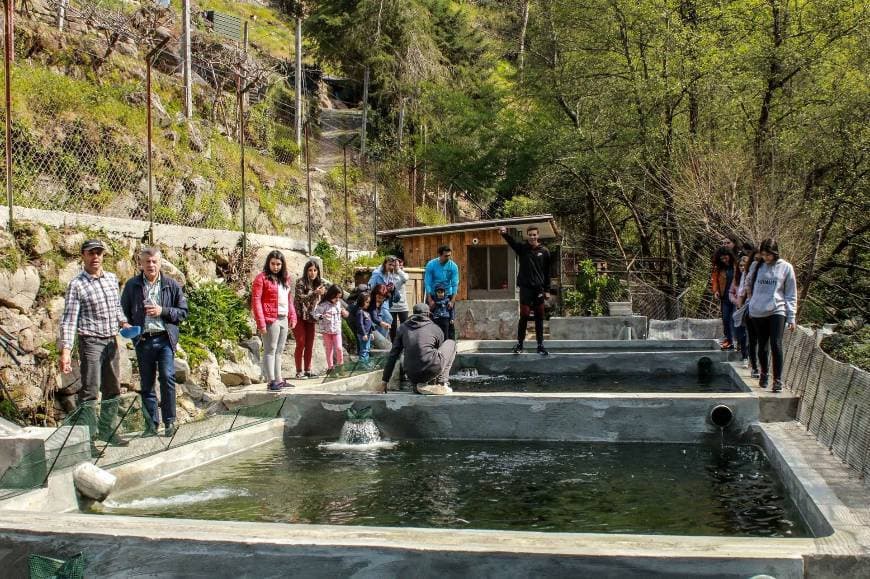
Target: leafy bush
{"points": [[427, 215], [216, 313], [585, 298], [332, 265], [285, 150]]}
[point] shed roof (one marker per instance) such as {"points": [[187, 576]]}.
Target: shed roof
{"points": [[545, 223]]}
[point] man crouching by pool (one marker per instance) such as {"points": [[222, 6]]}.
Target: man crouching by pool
{"points": [[428, 355]]}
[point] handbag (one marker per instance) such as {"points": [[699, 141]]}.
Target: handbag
{"points": [[739, 315]]}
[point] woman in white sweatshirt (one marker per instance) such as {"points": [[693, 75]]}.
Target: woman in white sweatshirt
{"points": [[773, 306]]}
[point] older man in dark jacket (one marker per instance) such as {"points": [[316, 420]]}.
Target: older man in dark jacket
{"points": [[155, 303], [428, 356]]}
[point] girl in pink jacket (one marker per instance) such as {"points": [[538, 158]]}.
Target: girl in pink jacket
{"points": [[328, 314]]}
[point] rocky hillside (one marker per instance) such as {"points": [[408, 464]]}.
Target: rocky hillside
{"points": [[79, 119], [36, 265]]}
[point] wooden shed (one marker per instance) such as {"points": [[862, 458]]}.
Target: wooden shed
{"points": [[487, 266]]}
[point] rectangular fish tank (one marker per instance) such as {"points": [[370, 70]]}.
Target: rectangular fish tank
{"points": [[470, 381], [577, 487]]}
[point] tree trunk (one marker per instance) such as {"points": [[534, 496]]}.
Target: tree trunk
{"points": [[521, 51]]}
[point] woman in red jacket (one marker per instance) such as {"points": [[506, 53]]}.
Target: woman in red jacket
{"points": [[274, 314]]}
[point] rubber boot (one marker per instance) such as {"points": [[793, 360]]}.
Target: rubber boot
{"points": [[87, 416], [108, 422]]}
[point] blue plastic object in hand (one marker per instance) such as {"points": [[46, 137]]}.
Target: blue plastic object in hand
{"points": [[131, 332]]}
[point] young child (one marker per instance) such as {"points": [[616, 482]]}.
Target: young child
{"points": [[442, 314], [736, 297], [328, 314], [364, 326]]}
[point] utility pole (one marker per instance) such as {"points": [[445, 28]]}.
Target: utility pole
{"points": [[298, 78], [149, 63], [346, 210], [308, 183], [185, 57], [61, 14], [365, 114]]}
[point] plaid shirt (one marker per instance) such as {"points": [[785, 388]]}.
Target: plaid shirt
{"points": [[92, 308]]}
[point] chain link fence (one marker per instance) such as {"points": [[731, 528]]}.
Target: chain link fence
{"points": [[80, 132], [834, 399]]}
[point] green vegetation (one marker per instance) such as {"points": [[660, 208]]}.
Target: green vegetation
{"points": [[851, 346], [269, 31], [216, 313], [650, 129], [590, 292]]}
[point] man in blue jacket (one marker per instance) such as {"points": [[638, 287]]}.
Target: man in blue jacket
{"points": [[442, 270], [155, 303]]}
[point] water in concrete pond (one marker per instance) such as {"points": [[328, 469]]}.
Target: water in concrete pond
{"points": [[512, 485], [468, 380]]}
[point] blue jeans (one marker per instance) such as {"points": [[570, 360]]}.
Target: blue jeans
{"points": [[364, 347], [156, 358], [728, 319]]}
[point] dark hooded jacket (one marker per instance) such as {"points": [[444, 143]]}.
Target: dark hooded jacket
{"points": [[420, 339]]}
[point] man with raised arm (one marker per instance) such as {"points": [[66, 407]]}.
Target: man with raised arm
{"points": [[533, 279]]}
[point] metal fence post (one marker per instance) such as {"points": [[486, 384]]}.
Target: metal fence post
{"points": [[149, 62], [233, 423], [842, 408], [308, 182], [815, 394], [849, 436], [9, 46]]}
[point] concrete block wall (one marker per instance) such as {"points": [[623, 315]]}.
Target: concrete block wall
{"points": [[598, 328]]}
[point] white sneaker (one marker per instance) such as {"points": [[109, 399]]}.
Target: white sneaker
{"points": [[300, 376], [434, 389]]}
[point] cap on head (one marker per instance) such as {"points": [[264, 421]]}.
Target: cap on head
{"points": [[93, 244], [421, 309]]}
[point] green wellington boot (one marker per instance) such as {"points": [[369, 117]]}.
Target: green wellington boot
{"points": [[108, 422]]}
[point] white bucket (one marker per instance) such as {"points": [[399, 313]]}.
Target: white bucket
{"points": [[93, 482]]}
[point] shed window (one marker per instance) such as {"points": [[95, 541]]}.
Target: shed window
{"points": [[488, 268]]}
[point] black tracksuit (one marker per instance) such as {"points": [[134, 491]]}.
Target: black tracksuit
{"points": [[533, 279]]}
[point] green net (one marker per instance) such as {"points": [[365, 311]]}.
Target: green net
{"points": [[355, 368], [41, 567], [118, 431]]}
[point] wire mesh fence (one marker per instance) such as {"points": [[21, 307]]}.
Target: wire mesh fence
{"points": [[834, 399], [118, 431], [80, 133]]}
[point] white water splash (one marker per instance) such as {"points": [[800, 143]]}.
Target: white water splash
{"points": [[182, 499], [359, 432]]}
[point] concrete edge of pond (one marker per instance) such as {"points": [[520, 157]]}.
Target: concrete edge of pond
{"points": [[118, 545], [464, 346]]}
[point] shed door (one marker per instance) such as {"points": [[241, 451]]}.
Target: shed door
{"points": [[489, 272]]}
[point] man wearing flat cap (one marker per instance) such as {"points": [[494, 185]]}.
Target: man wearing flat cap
{"points": [[92, 315], [428, 355]]}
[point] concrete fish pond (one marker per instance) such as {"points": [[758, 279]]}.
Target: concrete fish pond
{"points": [[610, 459], [692, 489]]}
